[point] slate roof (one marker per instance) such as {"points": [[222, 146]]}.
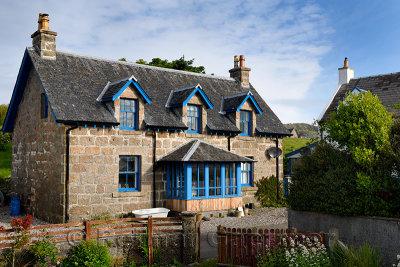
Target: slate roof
{"points": [[113, 88], [233, 102], [386, 87], [199, 151], [178, 96], [73, 83]]}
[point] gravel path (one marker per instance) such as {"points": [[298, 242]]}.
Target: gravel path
{"points": [[259, 218], [5, 218]]}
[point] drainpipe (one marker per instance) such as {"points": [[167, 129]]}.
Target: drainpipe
{"points": [[66, 184], [229, 143], [154, 166], [277, 168]]}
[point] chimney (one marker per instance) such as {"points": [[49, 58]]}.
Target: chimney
{"points": [[345, 73], [239, 71], [44, 40]]}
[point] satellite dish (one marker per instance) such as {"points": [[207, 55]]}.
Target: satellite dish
{"points": [[274, 152]]}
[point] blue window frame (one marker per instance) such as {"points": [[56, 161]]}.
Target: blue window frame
{"points": [[128, 114], [199, 180], [43, 106], [245, 122], [230, 179], [175, 180], [247, 173], [129, 173], [193, 118], [214, 179]]}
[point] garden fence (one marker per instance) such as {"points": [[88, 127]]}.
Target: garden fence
{"points": [[242, 246], [88, 230]]}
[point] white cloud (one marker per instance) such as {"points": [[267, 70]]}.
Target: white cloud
{"points": [[283, 40]]}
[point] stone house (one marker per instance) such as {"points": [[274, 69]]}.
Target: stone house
{"points": [[385, 86], [94, 136]]}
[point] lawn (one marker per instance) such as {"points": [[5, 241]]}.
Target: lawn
{"points": [[5, 162], [290, 144]]}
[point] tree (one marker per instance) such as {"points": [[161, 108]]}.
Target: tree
{"points": [[3, 113], [361, 126], [178, 64]]}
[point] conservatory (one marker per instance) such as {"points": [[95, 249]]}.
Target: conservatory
{"points": [[203, 177]]}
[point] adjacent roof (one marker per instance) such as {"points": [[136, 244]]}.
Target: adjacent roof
{"points": [[181, 96], [301, 151], [199, 151], [386, 87], [235, 102], [72, 84]]}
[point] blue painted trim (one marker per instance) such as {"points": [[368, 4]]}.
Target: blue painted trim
{"points": [[188, 181], [16, 98], [249, 96], [203, 95], [198, 119], [141, 91], [238, 179], [223, 179]]}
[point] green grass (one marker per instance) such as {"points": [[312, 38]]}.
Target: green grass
{"points": [[5, 162], [291, 144]]}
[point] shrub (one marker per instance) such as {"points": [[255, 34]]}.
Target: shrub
{"points": [[266, 192], [4, 140], [351, 256], [44, 251], [88, 254]]}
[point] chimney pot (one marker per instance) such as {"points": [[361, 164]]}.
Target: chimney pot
{"points": [[236, 61], [242, 61], [239, 71], [44, 40], [346, 63]]}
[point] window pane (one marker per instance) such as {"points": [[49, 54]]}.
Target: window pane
{"points": [[227, 175], [202, 193], [194, 193], [212, 192], [227, 191], [218, 175], [234, 191], [201, 176], [211, 175], [218, 193], [122, 119], [132, 164], [122, 180], [131, 180], [233, 180], [194, 176], [123, 164]]}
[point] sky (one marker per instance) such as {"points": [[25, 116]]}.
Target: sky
{"points": [[293, 48]]}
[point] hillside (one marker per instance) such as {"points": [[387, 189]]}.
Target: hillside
{"points": [[304, 129]]}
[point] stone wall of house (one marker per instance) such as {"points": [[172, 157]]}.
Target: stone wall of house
{"points": [[38, 157], [94, 167]]}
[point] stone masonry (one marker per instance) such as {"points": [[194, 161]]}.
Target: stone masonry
{"points": [[39, 159], [38, 154]]}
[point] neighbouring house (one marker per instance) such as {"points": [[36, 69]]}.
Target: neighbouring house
{"points": [[293, 132], [385, 86], [94, 136]]}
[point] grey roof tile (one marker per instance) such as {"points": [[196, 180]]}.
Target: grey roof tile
{"points": [[199, 151], [74, 82]]}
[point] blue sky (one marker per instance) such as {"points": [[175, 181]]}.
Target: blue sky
{"points": [[293, 47]]}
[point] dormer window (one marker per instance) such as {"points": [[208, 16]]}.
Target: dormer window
{"points": [[128, 114], [193, 118], [245, 122]]}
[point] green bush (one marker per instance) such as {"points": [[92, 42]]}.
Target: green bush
{"points": [[364, 256], [327, 181], [44, 251], [88, 254], [266, 192], [5, 139]]}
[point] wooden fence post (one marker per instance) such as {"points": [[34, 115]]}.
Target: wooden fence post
{"points": [[150, 239], [88, 230]]}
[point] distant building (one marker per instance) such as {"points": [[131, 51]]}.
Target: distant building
{"points": [[293, 132]]}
